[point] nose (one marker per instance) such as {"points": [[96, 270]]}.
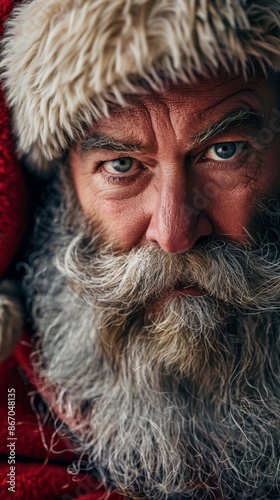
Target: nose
{"points": [[176, 223]]}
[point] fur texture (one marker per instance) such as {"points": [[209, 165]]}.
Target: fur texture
{"points": [[162, 393], [66, 61]]}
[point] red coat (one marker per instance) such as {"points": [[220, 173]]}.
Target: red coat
{"points": [[39, 474]]}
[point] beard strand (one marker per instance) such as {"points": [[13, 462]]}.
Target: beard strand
{"points": [[164, 393]]}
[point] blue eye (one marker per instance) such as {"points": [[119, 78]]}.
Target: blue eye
{"points": [[121, 164], [124, 166], [225, 150]]}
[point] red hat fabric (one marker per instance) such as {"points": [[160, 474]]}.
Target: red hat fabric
{"points": [[12, 192]]}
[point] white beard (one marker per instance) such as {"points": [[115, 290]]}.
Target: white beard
{"points": [[163, 393]]}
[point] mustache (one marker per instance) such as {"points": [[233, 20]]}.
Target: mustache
{"points": [[224, 270], [185, 378]]}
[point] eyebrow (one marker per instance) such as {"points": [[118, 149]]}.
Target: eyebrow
{"points": [[237, 117], [99, 141]]}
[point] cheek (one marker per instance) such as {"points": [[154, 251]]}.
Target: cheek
{"points": [[231, 213], [122, 222], [228, 202], [232, 198]]}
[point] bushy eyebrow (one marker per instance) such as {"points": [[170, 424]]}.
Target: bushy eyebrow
{"points": [[237, 117], [99, 141]]}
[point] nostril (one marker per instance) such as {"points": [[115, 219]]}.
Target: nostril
{"points": [[203, 240]]}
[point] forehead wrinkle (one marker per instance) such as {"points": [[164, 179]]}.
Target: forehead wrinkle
{"points": [[131, 126], [160, 112], [205, 115], [148, 114], [144, 122], [202, 122]]}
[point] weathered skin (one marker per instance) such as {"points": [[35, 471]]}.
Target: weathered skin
{"points": [[175, 195]]}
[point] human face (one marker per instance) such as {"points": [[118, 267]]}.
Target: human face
{"points": [[160, 170]]}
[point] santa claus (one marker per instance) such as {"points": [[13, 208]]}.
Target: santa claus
{"points": [[152, 277]]}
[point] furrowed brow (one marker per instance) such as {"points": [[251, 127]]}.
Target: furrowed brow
{"points": [[240, 116], [99, 141]]}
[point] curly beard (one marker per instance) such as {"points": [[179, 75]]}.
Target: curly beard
{"points": [[164, 393]]}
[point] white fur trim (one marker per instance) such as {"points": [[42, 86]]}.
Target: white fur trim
{"points": [[11, 319], [65, 60]]}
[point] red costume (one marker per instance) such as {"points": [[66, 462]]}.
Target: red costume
{"points": [[34, 460], [39, 474]]}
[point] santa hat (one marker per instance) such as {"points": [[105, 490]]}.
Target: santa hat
{"points": [[12, 221], [66, 61]]}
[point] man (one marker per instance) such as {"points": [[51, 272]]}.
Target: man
{"points": [[154, 282]]}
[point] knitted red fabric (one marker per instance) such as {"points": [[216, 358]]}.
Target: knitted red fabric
{"points": [[40, 474], [5, 9], [12, 191]]}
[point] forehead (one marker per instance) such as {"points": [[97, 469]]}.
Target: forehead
{"points": [[191, 106]]}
